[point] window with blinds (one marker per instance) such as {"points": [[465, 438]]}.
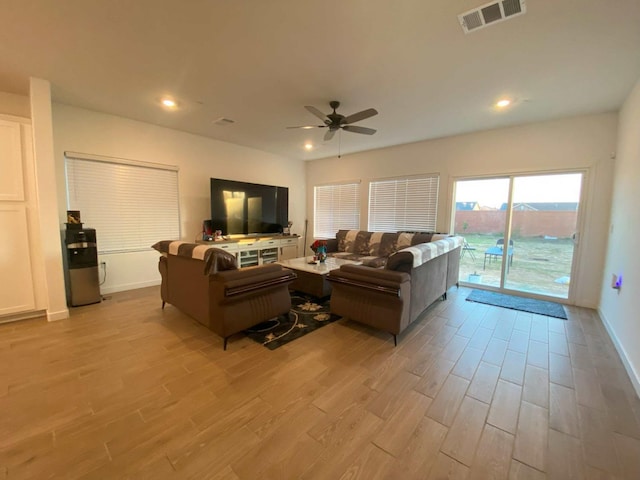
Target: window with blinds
{"points": [[131, 206], [403, 204], [335, 207]]}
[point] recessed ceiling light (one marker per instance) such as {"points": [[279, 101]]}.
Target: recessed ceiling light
{"points": [[308, 146], [168, 102], [505, 102]]}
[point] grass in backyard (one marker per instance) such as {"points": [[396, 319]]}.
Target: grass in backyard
{"points": [[540, 265]]}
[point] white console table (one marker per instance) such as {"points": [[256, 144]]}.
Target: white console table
{"points": [[259, 250]]}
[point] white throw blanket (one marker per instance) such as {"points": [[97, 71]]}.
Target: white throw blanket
{"points": [[424, 252]]}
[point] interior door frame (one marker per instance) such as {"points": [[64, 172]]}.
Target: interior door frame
{"points": [[577, 248]]}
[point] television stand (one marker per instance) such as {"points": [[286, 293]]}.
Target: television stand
{"points": [[258, 249]]}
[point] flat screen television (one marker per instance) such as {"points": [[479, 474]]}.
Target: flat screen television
{"points": [[242, 208]]}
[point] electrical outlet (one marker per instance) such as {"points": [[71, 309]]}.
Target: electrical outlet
{"points": [[616, 281]]}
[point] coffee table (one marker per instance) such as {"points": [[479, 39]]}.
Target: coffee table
{"points": [[312, 278]]}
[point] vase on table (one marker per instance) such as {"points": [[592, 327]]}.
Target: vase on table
{"points": [[321, 254]]}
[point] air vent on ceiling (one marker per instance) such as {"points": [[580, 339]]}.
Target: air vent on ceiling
{"points": [[223, 121], [490, 13]]}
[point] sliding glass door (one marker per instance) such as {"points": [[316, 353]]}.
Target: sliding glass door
{"points": [[520, 231], [481, 220]]}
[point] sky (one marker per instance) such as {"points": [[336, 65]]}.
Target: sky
{"points": [[539, 188]]}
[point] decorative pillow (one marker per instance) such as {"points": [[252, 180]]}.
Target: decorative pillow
{"points": [[388, 244], [361, 244], [340, 238], [401, 261], [219, 261], [374, 244], [404, 240], [346, 240], [421, 238]]}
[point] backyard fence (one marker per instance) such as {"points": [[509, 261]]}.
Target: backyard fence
{"points": [[525, 223]]}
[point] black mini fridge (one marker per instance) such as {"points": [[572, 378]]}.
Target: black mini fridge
{"points": [[82, 262]]}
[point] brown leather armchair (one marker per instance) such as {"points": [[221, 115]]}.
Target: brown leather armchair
{"points": [[215, 292]]}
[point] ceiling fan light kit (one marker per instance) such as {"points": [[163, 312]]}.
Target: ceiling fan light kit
{"points": [[335, 121]]}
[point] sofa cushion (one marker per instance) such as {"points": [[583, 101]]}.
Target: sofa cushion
{"points": [[404, 240], [367, 260], [375, 262], [388, 244], [361, 245], [346, 240]]}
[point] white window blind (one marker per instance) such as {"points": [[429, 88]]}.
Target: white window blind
{"points": [[399, 204], [131, 206], [336, 207]]}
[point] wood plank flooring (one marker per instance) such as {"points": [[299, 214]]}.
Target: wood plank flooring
{"points": [[124, 389]]}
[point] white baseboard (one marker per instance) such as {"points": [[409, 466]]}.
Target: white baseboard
{"points": [[128, 286], [59, 315], [16, 317], [633, 374], [51, 316]]}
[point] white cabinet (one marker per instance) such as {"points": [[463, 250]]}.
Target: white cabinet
{"points": [[260, 251], [12, 179], [268, 250], [229, 247], [16, 281], [257, 252], [288, 248], [268, 255]]}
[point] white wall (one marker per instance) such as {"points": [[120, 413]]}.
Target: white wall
{"points": [[198, 159], [620, 309], [12, 104], [584, 142], [40, 94]]}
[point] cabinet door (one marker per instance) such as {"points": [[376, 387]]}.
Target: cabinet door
{"points": [[16, 282], [248, 258], [11, 180], [288, 248], [268, 255], [289, 252], [232, 248]]}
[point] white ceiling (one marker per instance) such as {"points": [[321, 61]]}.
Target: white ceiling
{"points": [[259, 62]]}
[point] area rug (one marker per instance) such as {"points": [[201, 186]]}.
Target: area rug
{"points": [[541, 307], [306, 315]]}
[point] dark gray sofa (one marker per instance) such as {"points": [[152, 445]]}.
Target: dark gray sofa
{"points": [[391, 298]]}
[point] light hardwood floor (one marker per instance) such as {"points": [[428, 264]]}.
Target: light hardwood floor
{"points": [[124, 389]]}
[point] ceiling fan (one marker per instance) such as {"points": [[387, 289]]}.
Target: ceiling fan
{"points": [[334, 121]]}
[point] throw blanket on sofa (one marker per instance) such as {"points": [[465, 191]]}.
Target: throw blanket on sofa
{"points": [[424, 252], [214, 259]]}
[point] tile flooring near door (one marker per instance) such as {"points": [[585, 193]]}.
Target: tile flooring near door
{"points": [[124, 389]]}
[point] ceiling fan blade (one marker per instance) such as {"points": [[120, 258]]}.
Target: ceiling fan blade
{"points": [[316, 112], [356, 129], [329, 135], [308, 127], [356, 117]]}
